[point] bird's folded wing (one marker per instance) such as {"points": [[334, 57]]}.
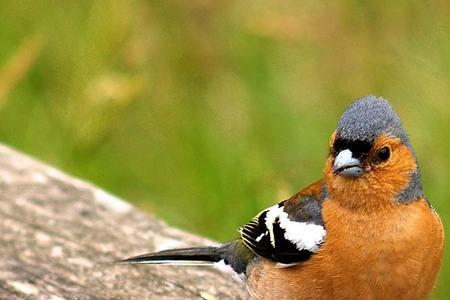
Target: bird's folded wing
{"points": [[288, 232]]}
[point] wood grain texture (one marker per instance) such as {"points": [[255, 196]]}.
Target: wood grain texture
{"points": [[59, 235]]}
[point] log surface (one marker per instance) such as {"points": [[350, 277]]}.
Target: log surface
{"points": [[59, 235]]}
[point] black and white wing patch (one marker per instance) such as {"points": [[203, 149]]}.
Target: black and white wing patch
{"points": [[286, 232]]}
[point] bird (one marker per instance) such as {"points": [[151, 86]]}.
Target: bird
{"points": [[365, 230]]}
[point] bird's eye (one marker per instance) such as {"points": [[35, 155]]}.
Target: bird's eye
{"points": [[384, 154]]}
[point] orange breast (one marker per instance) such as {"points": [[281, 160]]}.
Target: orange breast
{"points": [[391, 254]]}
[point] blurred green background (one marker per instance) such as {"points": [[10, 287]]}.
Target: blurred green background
{"points": [[203, 112]]}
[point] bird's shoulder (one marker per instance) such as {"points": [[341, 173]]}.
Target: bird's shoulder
{"points": [[290, 231]]}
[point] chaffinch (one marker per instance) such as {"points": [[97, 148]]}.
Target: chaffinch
{"points": [[364, 231]]}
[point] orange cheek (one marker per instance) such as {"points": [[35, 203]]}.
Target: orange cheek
{"points": [[381, 181], [397, 171]]}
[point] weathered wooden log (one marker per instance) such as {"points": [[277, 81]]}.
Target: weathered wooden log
{"points": [[59, 235]]}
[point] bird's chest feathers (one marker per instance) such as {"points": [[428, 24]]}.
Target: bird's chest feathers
{"points": [[373, 247]]}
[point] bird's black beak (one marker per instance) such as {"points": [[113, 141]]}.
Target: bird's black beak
{"points": [[347, 165]]}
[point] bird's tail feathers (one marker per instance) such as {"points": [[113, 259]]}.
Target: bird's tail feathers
{"points": [[231, 258], [184, 256]]}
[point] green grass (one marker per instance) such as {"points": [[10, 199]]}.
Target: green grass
{"points": [[205, 112]]}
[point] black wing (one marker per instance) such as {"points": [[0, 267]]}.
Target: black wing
{"points": [[288, 232]]}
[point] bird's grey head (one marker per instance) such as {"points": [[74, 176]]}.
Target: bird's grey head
{"points": [[358, 149], [369, 117], [361, 124]]}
